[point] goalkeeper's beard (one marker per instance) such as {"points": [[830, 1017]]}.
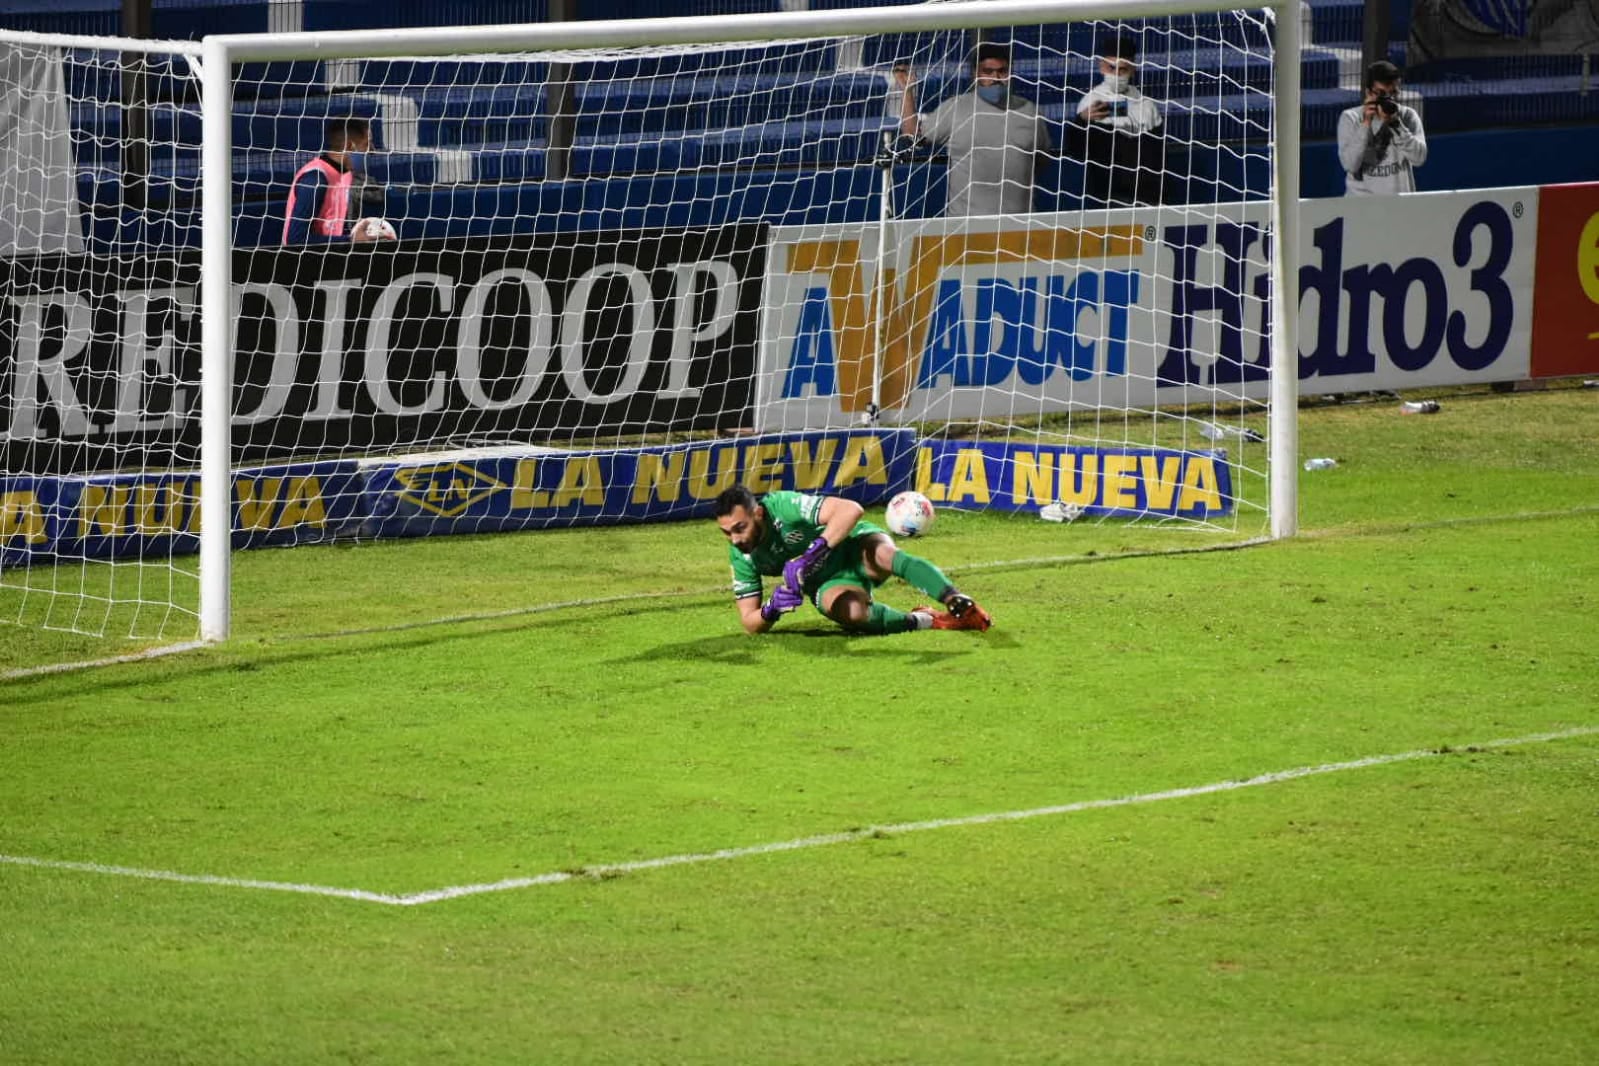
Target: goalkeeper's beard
{"points": [[757, 535]]}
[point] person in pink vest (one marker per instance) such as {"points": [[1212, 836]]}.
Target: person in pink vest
{"points": [[319, 209]]}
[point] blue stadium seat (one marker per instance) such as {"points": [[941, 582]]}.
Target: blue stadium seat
{"points": [[703, 198], [265, 80], [394, 14], [602, 157], [1245, 118], [509, 161], [96, 75], [256, 175], [1475, 105], [464, 116], [642, 105], [629, 9], [824, 143], [169, 19], [768, 59], [776, 133], [658, 105], [1179, 33], [1338, 22], [1493, 68], [417, 75], [433, 118], [919, 49]]}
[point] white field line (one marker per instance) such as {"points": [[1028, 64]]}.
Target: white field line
{"points": [[115, 660], [439, 895], [200, 879]]}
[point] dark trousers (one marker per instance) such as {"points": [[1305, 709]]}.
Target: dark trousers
{"points": [[1120, 169]]}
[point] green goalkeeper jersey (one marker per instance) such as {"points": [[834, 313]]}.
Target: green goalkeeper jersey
{"points": [[793, 521]]}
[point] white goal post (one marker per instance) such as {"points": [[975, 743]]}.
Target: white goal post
{"points": [[221, 53], [865, 262]]}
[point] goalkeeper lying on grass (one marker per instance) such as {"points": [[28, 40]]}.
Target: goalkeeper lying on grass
{"points": [[823, 552]]}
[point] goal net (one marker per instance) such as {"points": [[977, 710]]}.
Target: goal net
{"points": [[514, 277], [99, 320]]}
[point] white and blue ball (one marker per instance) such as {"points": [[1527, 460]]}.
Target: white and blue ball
{"points": [[910, 514], [374, 229]]}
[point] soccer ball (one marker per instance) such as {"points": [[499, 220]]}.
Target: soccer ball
{"points": [[910, 514], [375, 229]]}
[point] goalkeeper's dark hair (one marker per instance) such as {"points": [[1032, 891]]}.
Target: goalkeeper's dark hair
{"points": [[734, 498]]}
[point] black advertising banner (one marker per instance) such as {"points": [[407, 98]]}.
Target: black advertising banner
{"points": [[1470, 29], [99, 363], [419, 345]]}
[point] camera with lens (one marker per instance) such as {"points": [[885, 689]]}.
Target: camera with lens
{"points": [[1388, 104]]}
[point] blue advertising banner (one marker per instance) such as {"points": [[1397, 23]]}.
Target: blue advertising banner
{"points": [[127, 516], [543, 489], [1119, 482], [131, 515]]}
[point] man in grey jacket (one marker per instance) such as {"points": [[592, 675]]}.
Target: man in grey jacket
{"points": [[1380, 141], [995, 138]]}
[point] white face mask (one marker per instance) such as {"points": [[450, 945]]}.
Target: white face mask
{"points": [[1118, 83]]}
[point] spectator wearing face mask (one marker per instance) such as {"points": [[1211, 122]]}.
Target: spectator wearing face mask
{"points": [[1118, 133], [995, 138]]}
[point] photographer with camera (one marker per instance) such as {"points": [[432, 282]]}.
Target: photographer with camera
{"points": [[1381, 142]]}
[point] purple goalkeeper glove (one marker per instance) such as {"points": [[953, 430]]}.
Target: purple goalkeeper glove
{"points": [[796, 572], [782, 601]]}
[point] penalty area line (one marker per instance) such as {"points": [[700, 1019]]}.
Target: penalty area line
{"points": [[200, 879], [604, 870]]}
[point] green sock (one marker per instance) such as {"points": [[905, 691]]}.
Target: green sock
{"points": [[922, 574], [883, 619]]}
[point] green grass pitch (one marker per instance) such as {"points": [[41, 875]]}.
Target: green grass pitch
{"points": [[1438, 908]]}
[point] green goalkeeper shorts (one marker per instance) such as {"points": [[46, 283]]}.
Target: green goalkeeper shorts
{"points": [[845, 565]]}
